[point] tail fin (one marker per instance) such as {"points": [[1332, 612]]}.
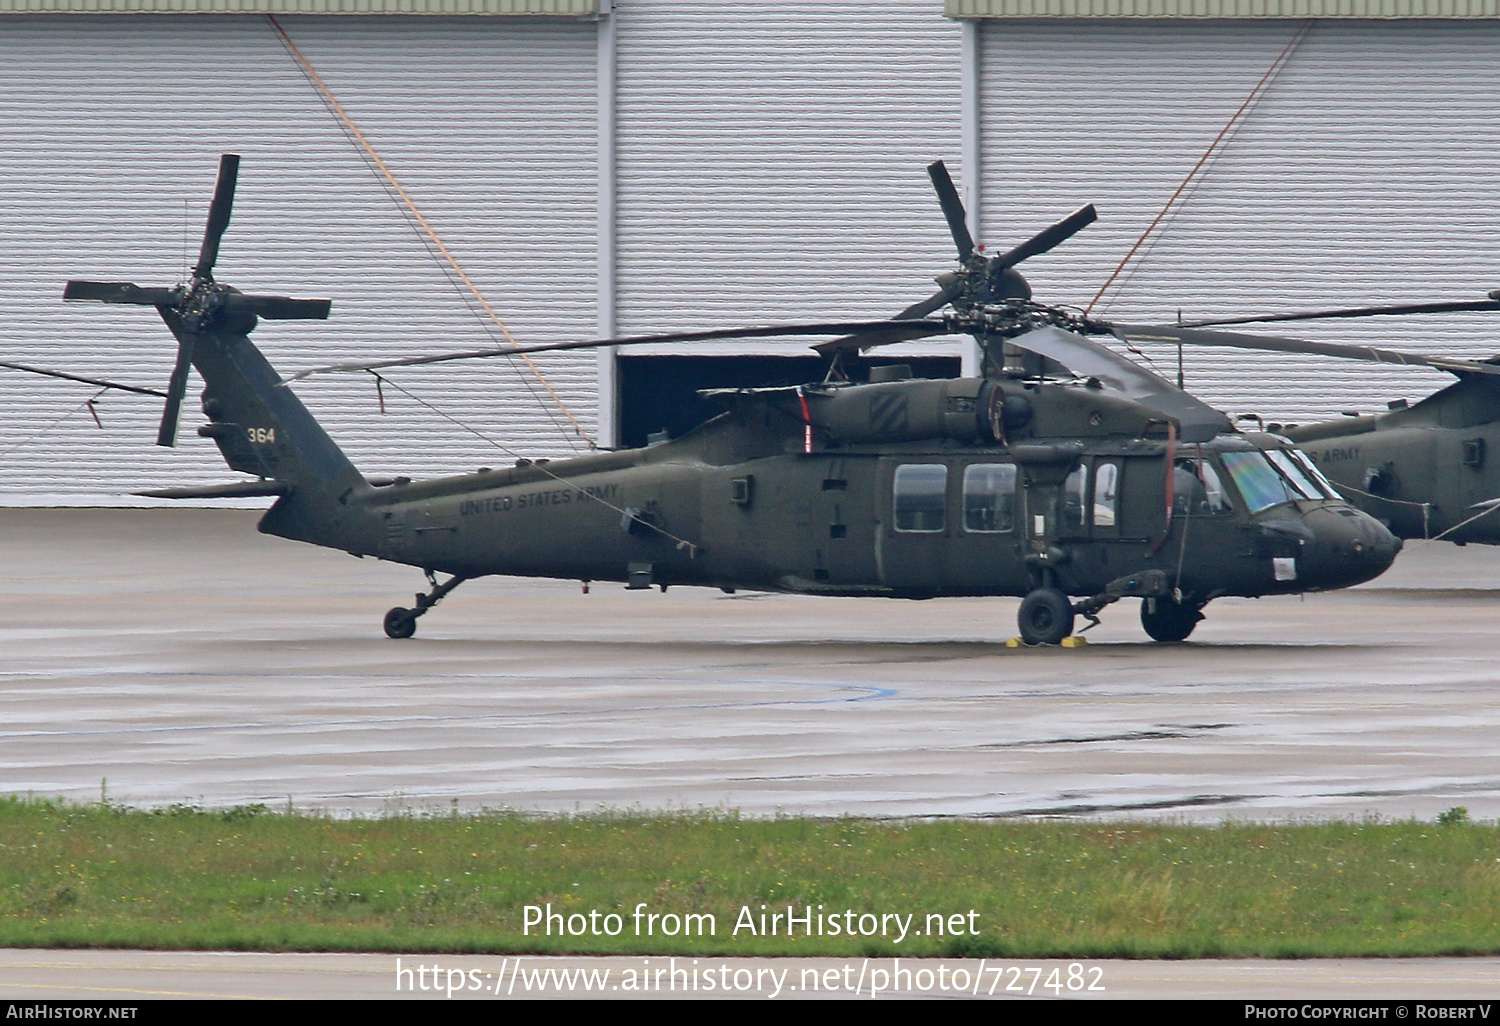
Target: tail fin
{"points": [[262, 428], [259, 425]]}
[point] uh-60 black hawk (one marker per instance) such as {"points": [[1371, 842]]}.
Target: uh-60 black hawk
{"points": [[1064, 474], [1427, 469]]}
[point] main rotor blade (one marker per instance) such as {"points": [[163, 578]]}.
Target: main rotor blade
{"points": [[218, 215], [1281, 344], [913, 329], [1359, 311], [280, 308], [1197, 421], [1047, 238], [871, 339], [937, 299], [953, 208], [118, 292], [101, 382], [166, 434]]}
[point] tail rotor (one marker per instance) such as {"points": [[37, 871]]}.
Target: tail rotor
{"points": [[201, 304]]}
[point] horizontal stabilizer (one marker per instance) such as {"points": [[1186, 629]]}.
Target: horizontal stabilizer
{"points": [[233, 490]]}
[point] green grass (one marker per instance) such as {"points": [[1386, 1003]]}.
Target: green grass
{"points": [[106, 876]]}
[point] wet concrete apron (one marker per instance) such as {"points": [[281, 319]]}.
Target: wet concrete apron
{"points": [[177, 655]]}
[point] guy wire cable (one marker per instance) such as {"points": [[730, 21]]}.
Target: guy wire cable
{"points": [[405, 200]]}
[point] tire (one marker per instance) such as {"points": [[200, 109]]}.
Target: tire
{"points": [[1169, 620], [399, 623], [1045, 617]]}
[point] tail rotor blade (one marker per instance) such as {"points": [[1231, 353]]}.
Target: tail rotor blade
{"points": [[953, 208], [117, 292], [280, 308], [218, 215], [166, 435], [1046, 239]]}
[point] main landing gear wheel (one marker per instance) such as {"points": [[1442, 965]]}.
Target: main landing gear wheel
{"points": [[1046, 617], [1168, 620], [400, 623]]}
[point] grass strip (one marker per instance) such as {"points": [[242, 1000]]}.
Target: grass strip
{"points": [[251, 879]]}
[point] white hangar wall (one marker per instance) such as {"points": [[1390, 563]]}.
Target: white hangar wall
{"points": [[1365, 174], [769, 161], [749, 162], [108, 150]]}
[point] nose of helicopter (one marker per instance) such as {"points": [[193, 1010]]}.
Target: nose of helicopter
{"points": [[1347, 547]]}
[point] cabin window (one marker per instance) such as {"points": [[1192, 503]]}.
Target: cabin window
{"points": [[1261, 485], [1106, 494], [921, 497], [990, 498]]}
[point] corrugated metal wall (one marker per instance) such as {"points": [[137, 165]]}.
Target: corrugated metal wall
{"points": [[568, 8], [112, 124], [1221, 8], [1365, 175], [771, 160]]}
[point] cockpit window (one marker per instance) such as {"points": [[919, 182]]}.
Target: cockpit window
{"points": [[1295, 474], [1257, 480], [1106, 494], [1197, 489], [1312, 471], [1072, 497]]}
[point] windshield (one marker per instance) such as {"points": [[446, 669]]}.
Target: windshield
{"points": [[1313, 472], [1258, 481], [1294, 474]]}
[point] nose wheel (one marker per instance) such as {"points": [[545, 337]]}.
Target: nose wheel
{"points": [[401, 622]]}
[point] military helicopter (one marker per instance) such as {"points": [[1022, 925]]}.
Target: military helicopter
{"points": [[1423, 468], [1065, 474]]}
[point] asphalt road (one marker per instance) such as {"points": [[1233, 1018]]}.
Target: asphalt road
{"points": [[139, 976]]}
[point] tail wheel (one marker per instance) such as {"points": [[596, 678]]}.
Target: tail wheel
{"points": [[1169, 620], [1046, 617], [400, 623]]}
